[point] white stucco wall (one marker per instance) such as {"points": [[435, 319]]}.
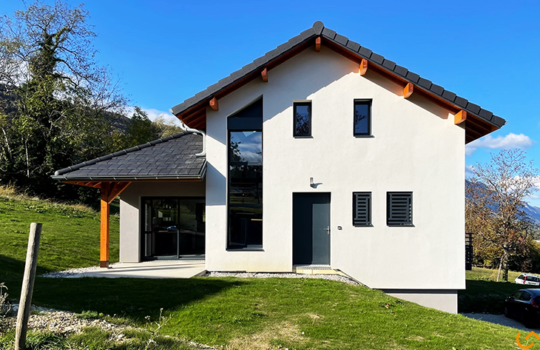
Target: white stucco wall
{"points": [[415, 147], [130, 204]]}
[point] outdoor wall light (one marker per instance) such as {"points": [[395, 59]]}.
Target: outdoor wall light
{"points": [[311, 183]]}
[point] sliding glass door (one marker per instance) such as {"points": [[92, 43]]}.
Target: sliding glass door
{"points": [[172, 228]]}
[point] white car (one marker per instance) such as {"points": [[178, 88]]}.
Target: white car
{"points": [[525, 278]]}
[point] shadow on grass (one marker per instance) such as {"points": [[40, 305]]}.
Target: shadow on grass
{"points": [[128, 297], [485, 296], [133, 298]]}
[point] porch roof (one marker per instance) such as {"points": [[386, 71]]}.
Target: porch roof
{"points": [[170, 158]]}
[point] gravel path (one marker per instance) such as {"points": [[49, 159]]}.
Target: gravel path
{"points": [[61, 322], [501, 320], [65, 323], [338, 278], [71, 273]]}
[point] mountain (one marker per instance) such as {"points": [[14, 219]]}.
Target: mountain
{"points": [[532, 211]]}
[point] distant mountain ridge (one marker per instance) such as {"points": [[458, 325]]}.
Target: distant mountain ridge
{"points": [[532, 211]]}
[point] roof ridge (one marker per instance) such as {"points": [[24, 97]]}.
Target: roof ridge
{"points": [[318, 29], [122, 152]]}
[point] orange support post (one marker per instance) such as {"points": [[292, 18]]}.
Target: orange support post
{"points": [[104, 236]]}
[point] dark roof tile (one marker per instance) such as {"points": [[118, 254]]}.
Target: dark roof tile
{"points": [[365, 52], [329, 33], [389, 65], [377, 58], [426, 84], [400, 70], [436, 89], [485, 114], [353, 46], [163, 157], [449, 95], [413, 77], [341, 39], [473, 108]]}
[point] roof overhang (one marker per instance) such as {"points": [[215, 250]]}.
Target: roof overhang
{"points": [[476, 121]]}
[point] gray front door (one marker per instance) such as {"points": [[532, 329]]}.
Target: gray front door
{"points": [[311, 228]]}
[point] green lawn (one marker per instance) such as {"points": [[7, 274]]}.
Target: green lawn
{"points": [[70, 235], [238, 313]]}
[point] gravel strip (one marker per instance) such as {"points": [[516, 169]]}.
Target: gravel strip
{"points": [[65, 323], [338, 278], [62, 322], [71, 273]]}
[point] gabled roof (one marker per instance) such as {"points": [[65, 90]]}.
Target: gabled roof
{"points": [[193, 110], [170, 158]]}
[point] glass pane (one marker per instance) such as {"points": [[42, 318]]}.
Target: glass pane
{"points": [[245, 147], [302, 122], [245, 227], [191, 226], [165, 227], [245, 184], [361, 119]]}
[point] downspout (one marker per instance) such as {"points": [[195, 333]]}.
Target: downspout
{"points": [[187, 128]]}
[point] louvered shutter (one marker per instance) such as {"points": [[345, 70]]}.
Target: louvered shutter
{"points": [[362, 208], [399, 211]]}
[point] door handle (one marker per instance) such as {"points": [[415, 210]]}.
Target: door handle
{"points": [[328, 230]]}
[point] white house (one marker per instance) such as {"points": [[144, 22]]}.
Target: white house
{"points": [[318, 153]]}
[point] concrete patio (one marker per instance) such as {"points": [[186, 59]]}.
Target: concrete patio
{"points": [[150, 269]]}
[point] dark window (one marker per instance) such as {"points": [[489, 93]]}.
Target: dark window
{"points": [[399, 209], [245, 178], [362, 118], [525, 296], [362, 208], [302, 118]]}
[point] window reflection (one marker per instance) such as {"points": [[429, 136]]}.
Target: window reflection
{"points": [[302, 119], [361, 118]]}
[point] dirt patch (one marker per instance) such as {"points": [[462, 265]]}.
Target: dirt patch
{"points": [[263, 340]]}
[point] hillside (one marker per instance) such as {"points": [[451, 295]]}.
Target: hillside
{"points": [[70, 236]]}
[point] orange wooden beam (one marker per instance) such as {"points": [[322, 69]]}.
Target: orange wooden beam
{"points": [[116, 190], [460, 117], [408, 90], [104, 227], [214, 104], [363, 66], [264, 75], [318, 44]]}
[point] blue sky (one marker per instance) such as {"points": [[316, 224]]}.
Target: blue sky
{"points": [[485, 51]]}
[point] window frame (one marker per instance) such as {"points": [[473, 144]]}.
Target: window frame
{"points": [[369, 103], [369, 222], [310, 109], [388, 204]]}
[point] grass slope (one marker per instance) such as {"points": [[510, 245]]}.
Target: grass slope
{"points": [[70, 235], [238, 313]]}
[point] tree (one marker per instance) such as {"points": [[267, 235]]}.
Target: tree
{"points": [[141, 129], [61, 100], [495, 202]]}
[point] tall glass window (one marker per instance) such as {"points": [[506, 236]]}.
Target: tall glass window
{"points": [[245, 178]]}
